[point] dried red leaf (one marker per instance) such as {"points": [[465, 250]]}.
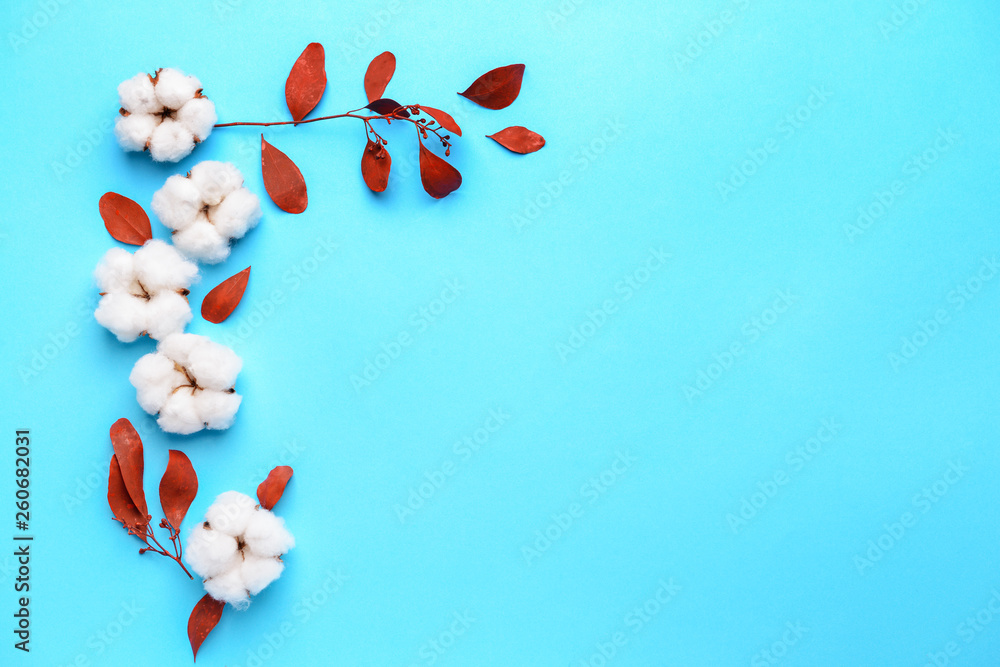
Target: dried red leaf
{"points": [[306, 82], [269, 491], [440, 179], [375, 165], [178, 487], [125, 220], [204, 617], [518, 139], [443, 119], [120, 501], [385, 106], [224, 297], [496, 89], [128, 451], [282, 179], [379, 73]]}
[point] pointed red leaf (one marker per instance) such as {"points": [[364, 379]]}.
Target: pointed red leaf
{"points": [[496, 89], [443, 119], [128, 451], [518, 139], [385, 106], [379, 74], [375, 165], [224, 297], [178, 487], [125, 220], [306, 82], [204, 617], [120, 501], [282, 179], [440, 179], [269, 491]]}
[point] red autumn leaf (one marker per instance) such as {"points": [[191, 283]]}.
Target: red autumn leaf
{"points": [[440, 179], [125, 220], [443, 119], [204, 617], [224, 297], [496, 89], [379, 74], [269, 491], [128, 451], [282, 179], [385, 106], [120, 501], [306, 82], [375, 165], [178, 487], [518, 139]]}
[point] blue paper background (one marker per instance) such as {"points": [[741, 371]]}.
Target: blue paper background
{"points": [[640, 138]]}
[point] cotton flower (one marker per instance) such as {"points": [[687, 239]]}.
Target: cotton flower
{"points": [[238, 548], [188, 382], [165, 114], [145, 292], [206, 209]]}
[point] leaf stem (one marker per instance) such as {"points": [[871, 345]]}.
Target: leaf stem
{"points": [[388, 117]]}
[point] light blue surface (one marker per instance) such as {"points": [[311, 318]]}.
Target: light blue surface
{"points": [[641, 139]]}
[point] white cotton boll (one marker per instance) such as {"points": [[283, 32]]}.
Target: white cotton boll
{"points": [[228, 587], [231, 512], [114, 273], [158, 266], [202, 242], [216, 366], [155, 377], [211, 552], [218, 408], [266, 535], [198, 115], [136, 95], [167, 313], [180, 413], [122, 314], [237, 213], [178, 203], [134, 131], [215, 180], [170, 142], [257, 572], [174, 88], [178, 346]]}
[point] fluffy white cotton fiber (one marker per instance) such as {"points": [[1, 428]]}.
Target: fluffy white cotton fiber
{"points": [[189, 383], [207, 209], [238, 549], [165, 114], [145, 292]]}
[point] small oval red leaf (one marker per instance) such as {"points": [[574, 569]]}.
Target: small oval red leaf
{"points": [[125, 220], [306, 82], [375, 165], [204, 617], [518, 139], [128, 450], [269, 491], [282, 179], [178, 487], [496, 89], [379, 74], [385, 106], [224, 297], [439, 178], [443, 119], [122, 507]]}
